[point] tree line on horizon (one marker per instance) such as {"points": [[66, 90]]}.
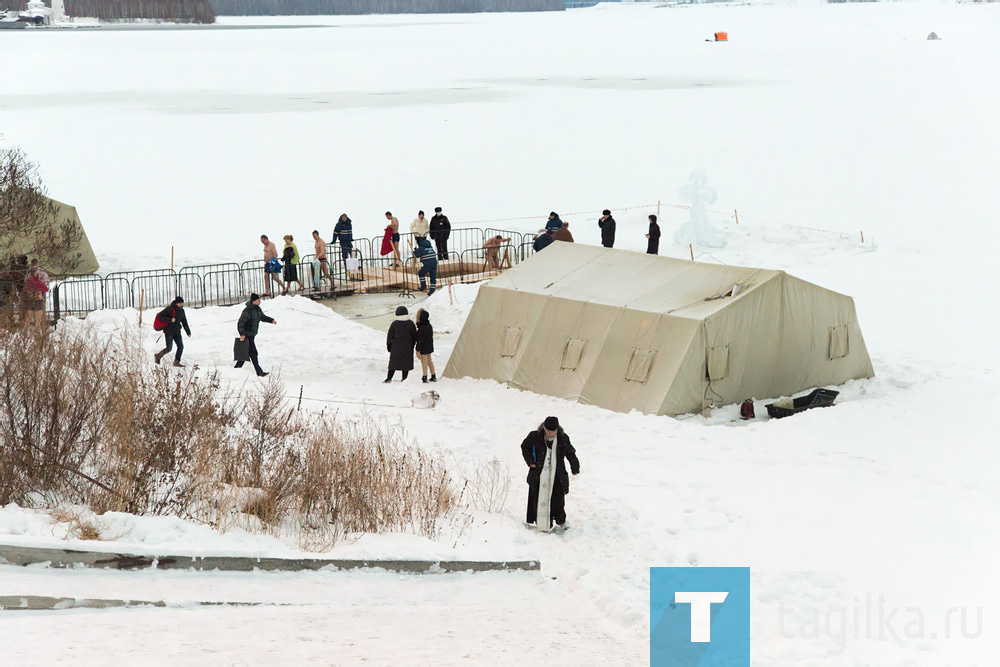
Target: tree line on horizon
{"points": [[205, 11], [185, 11], [329, 7]]}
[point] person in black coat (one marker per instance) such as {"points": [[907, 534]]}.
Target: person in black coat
{"points": [[175, 318], [440, 231], [399, 342], [653, 244], [425, 344], [535, 448], [542, 241], [607, 225], [247, 327]]}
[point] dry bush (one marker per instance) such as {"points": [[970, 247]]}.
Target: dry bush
{"points": [[489, 486], [78, 526], [54, 394], [361, 476], [91, 422]]}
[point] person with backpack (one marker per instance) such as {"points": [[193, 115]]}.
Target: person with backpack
{"points": [[428, 264], [399, 343], [545, 451], [607, 225], [247, 327], [425, 345], [169, 322]]}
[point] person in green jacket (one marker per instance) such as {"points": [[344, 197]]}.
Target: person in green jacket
{"points": [[290, 256]]}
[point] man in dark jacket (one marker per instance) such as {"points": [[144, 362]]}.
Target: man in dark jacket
{"points": [[440, 231], [247, 327], [537, 450], [175, 318], [428, 264], [607, 225], [554, 223], [542, 241], [399, 343], [343, 234]]}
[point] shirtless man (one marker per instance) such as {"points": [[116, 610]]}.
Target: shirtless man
{"points": [[492, 246], [270, 252], [394, 222], [320, 246]]}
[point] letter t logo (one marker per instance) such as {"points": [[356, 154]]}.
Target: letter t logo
{"points": [[701, 611]]}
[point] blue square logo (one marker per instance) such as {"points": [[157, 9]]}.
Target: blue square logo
{"points": [[699, 616]]}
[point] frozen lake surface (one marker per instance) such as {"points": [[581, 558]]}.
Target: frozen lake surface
{"points": [[814, 116]]}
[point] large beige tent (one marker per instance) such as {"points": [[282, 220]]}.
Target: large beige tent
{"points": [[629, 331], [80, 260]]}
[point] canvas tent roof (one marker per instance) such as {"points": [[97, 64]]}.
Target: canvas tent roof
{"points": [[627, 330], [86, 262]]}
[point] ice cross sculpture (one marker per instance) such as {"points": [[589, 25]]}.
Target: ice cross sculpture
{"points": [[697, 230]]}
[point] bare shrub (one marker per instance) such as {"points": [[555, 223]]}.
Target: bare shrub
{"points": [[54, 394], [78, 526], [489, 486], [87, 422]]}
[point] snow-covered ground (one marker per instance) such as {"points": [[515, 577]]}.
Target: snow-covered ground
{"points": [[836, 117]]}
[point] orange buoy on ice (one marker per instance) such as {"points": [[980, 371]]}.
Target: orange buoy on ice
{"points": [[722, 36]]}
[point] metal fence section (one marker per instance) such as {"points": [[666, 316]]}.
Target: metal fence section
{"points": [[231, 283]]}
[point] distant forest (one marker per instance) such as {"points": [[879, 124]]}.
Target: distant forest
{"points": [[186, 11], [205, 11], [314, 7]]}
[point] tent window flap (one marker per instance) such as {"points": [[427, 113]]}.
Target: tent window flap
{"points": [[572, 353], [511, 341], [840, 345], [639, 365], [717, 362]]}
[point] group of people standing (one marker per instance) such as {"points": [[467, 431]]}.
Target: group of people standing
{"points": [[405, 338], [437, 229], [558, 230], [24, 286], [285, 265]]}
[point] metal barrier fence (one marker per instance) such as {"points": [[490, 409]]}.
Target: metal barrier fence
{"points": [[231, 283]]}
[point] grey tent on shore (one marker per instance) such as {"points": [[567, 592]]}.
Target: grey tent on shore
{"points": [[79, 260], [629, 331]]}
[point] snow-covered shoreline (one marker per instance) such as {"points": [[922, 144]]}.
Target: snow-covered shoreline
{"points": [[837, 117]]}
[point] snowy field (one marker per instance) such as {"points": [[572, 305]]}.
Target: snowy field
{"points": [[833, 117]]}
